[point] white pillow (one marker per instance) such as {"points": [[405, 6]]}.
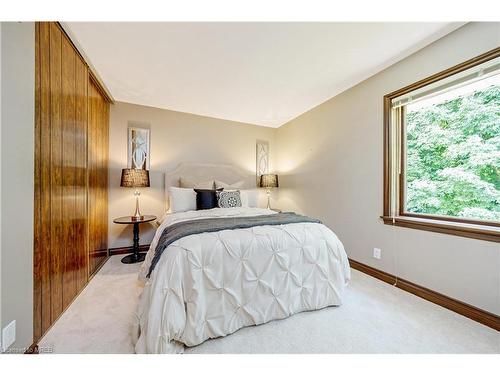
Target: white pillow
{"points": [[182, 199], [187, 183], [235, 186], [249, 198]]}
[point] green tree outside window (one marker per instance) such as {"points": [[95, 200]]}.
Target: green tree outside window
{"points": [[453, 157]]}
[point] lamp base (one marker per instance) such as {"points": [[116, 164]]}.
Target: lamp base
{"points": [[268, 192], [137, 214]]}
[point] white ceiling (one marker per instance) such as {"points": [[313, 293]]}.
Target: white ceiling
{"points": [[259, 73]]}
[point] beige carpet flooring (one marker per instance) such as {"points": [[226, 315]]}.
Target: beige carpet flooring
{"points": [[375, 318]]}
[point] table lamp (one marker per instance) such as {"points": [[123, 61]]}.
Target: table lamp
{"points": [[269, 181], [135, 178]]}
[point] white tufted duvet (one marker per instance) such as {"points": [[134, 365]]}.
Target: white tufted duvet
{"points": [[212, 284]]}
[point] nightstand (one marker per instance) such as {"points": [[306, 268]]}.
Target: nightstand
{"points": [[135, 257]]}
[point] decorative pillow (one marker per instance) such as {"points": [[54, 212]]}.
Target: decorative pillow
{"points": [[228, 199], [187, 183], [236, 185], [206, 199], [182, 199]]}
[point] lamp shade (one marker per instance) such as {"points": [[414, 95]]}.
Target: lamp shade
{"points": [[269, 181], [135, 178]]}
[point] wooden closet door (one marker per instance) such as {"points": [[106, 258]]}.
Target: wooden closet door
{"points": [[81, 211], [60, 243], [98, 177], [69, 141], [55, 160]]}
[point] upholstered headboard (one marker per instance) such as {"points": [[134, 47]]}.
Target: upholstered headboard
{"points": [[199, 172]]}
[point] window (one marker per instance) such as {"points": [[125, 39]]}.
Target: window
{"points": [[442, 151]]}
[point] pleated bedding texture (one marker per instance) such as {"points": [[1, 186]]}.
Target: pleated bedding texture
{"points": [[210, 285]]}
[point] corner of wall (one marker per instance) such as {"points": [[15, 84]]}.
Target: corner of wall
{"points": [[17, 97]]}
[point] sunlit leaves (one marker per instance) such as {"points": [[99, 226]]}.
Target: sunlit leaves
{"points": [[453, 157]]}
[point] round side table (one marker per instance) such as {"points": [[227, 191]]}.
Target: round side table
{"points": [[135, 257]]}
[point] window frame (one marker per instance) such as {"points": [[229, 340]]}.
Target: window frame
{"points": [[394, 212]]}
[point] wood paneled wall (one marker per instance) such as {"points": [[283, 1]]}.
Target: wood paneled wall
{"points": [[71, 127]]}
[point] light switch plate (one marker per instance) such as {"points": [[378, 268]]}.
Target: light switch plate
{"points": [[8, 335]]}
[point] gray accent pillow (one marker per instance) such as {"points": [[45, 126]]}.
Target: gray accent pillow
{"points": [[228, 199]]}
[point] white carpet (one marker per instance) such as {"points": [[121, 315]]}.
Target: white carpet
{"points": [[375, 318]]}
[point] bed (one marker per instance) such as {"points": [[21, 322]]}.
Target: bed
{"points": [[211, 283]]}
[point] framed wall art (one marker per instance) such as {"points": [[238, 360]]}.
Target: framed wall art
{"points": [[262, 161], [138, 145]]}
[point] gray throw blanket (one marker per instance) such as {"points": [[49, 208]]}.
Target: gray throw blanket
{"points": [[177, 231]]}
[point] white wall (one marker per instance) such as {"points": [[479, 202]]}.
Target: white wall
{"points": [[175, 137], [17, 161], [330, 164]]}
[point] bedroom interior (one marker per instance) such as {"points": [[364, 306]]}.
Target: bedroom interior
{"points": [[217, 194]]}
